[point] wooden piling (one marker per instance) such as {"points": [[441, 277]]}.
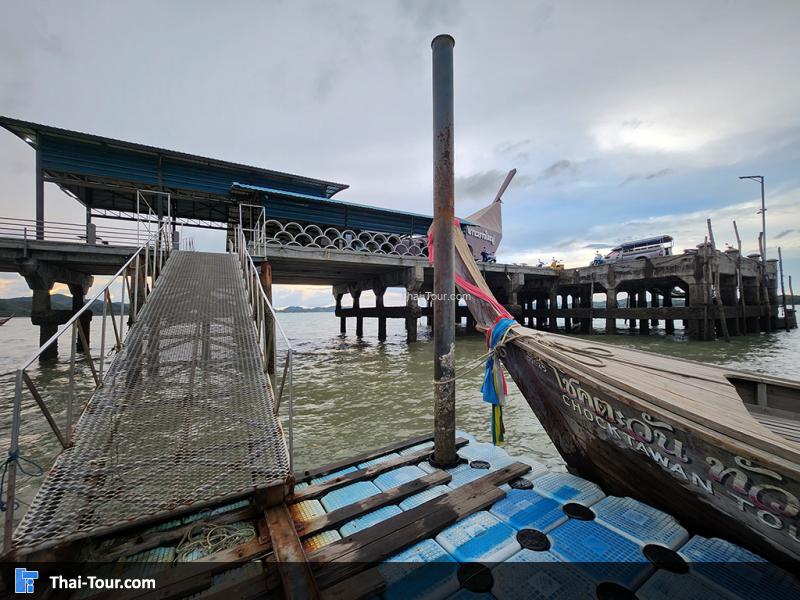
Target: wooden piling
{"points": [[720, 309], [783, 290], [742, 305], [379, 293]]}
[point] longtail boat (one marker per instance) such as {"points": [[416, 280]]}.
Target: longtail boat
{"points": [[717, 448], [4, 320]]}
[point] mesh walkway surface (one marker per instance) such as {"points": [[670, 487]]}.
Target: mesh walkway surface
{"points": [[184, 417]]}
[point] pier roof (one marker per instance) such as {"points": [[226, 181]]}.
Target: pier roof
{"points": [[104, 174]]}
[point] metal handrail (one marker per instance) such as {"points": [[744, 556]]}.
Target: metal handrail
{"points": [[12, 227], [154, 251], [260, 304]]}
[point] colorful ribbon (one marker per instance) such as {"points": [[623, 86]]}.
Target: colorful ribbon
{"points": [[494, 388]]}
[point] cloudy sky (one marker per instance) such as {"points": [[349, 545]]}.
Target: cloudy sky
{"points": [[623, 119]]}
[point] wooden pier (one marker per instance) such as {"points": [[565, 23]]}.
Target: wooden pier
{"points": [[640, 295]]}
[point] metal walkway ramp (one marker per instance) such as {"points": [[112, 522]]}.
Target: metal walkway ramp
{"points": [[185, 416]]}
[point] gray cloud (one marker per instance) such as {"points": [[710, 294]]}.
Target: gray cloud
{"points": [[559, 168], [647, 177], [485, 184], [598, 245], [783, 234], [519, 150]]}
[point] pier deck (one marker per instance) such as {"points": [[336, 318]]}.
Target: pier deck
{"points": [[388, 524], [185, 416]]}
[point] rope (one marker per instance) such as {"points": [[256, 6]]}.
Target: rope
{"points": [[207, 539], [20, 460]]}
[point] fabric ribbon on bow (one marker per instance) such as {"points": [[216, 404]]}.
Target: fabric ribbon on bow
{"points": [[494, 387]]}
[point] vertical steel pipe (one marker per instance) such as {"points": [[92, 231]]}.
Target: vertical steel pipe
{"points": [[13, 450], [71, 399], [444, 452], [39, 194]]}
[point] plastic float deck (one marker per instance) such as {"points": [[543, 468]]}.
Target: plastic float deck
{"points": [[534, 534], [184, 418]]}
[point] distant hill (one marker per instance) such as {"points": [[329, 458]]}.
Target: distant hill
{"points": [[21, 307], [303, 309]]}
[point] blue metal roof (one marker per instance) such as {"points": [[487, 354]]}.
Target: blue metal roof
{"points": [[105, 174], [304, 207]]}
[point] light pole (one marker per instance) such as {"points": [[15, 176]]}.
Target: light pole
{"points": [[763, 213]]}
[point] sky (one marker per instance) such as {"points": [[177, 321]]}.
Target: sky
{"points": [[624, 119]]}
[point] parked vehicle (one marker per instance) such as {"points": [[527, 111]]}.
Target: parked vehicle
{"points": [[641, 249]]}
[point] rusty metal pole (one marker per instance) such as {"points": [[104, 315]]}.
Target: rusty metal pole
{"points": [[444, 415]]}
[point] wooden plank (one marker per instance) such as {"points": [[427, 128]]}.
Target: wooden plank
{"points": [[347, 557], [314, 491], [366, 584], [293, 568], [390, 496], [360, 458]]}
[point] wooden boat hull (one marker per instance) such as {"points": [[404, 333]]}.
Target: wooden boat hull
{"points": [[675, 434], [659, 459]]}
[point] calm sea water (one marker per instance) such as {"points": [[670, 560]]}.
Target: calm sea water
{"points": [[352, 395]]}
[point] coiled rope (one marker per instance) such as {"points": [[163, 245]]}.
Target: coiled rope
{"points": [[21, 461], [205, 539]]}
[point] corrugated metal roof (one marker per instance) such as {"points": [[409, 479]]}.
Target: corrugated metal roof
{"points": [[289, 205], [84, 153], [201, 187]]}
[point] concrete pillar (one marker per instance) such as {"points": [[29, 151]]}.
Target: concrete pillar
{"points": [[669, 324], [565, 304], [751, 297], [78, 300], [357, 309], [632, 304], [586, 303], [694, 299], [41, 309], [412, 314], [728, 296], [772, 291], [644, 324], [429, 310], [342, 319], [470, 323], [611, 309], [654, 303], [379, 292], [552, 304]]}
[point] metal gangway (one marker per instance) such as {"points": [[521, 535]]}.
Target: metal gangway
{"points": [[183, 417]]}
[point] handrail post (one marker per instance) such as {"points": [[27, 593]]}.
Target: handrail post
{"points": [[71, 382], [103, 340], [290, 356], [11, 485]]}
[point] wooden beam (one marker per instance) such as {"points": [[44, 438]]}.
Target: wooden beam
{"points": [[314, 491], [293, 568], [360, 458], [390, 496], [345, 558]]}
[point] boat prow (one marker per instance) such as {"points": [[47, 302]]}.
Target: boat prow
{"points": [[717, 448]]}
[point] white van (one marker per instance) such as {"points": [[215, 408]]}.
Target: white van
{"points": [[641, 249]]}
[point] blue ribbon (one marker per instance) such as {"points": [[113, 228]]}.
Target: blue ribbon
{"points": [[495, 335]]}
